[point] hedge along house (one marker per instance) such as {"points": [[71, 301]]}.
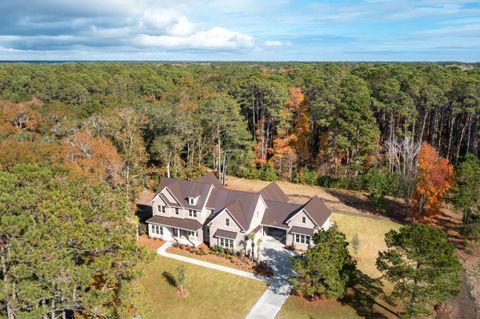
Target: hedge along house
{"points": [[204, 211]]}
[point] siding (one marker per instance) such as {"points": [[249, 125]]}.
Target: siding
{"points": [[219, 223]]}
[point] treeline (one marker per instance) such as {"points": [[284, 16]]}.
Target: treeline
{"points": [[331, 121]]}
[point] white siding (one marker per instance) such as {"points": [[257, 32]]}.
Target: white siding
{"points": [[258, 214]]}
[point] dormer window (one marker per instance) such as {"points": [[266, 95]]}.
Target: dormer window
{"points": [[304, 219], [192, 200], [227, 222]]}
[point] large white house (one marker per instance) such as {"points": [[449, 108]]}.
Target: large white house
{"points": [[204, 211]]}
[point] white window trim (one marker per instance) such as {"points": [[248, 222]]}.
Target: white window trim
{"points": [[225, 242], [227, 222], [192, 213], [301, 239], [162, 209]]}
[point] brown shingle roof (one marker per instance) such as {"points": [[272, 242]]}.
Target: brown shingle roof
{"points": [[316, 208], [225, 234], [273, 192], [240, 204], [182, 189], [188, 224], [277, 213], [210, 178], [301, 230]]}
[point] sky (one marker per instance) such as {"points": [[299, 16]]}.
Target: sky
{"points": [[240, 30]]}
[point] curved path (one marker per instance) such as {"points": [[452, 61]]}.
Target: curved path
{"points": [[162, 251], [273, 253]]}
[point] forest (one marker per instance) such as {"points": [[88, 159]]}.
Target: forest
{"points": [[114, 129]]}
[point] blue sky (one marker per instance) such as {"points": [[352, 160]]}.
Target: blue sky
{"points": [[282, 30]]}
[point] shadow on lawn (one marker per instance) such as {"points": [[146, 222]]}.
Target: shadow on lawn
{"points": [[170, 279], [365, 296], [394, 210]]}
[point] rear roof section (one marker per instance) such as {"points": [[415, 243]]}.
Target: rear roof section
{"points": [[273, 192]]}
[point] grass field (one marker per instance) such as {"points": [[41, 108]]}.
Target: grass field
{"points": [[212, 294], [371, 236]]}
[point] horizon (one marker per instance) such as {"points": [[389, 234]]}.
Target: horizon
{"points": [[229, 31]]}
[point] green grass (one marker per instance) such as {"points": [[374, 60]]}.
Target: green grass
{"points": [[371, 234], [297, 308], [212, 294]]}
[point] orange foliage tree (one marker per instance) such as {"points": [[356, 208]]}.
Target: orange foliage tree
{"points": [[93, 157], [434, 178], [17, 117]]}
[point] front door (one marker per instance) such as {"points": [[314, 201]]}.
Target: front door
{"points": [[175, 232]]}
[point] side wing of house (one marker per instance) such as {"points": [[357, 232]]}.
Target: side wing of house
{"points": [[226, 231]]}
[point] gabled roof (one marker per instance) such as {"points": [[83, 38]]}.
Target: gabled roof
{"points": [[210, 178], [240, 204], [277, 213], [316, 209], [273, 192], [181, 190]]}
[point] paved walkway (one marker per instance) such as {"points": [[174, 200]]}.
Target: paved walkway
{"points": [[273, 253], [268, 306], [162, 251]]}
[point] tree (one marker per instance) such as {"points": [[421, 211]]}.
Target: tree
{"points": [[124, 128], [355, 244], [66, 246], [225, 128], [180, 278], [423, 266], [94, 158], [434, 178], [467, 196], [326, 268], [378, 185]]}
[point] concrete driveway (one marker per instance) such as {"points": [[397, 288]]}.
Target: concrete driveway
{"points": [[277, 257]]}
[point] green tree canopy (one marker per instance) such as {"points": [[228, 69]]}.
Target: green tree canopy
{"points": [[326, 267], [65, 246], [423, 266]]}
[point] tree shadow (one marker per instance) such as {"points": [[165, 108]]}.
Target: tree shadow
{"points": [[394, 209], [365, 296], [170, 279]]}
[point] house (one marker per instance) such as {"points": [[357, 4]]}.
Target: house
{"points": [[204, 211]]}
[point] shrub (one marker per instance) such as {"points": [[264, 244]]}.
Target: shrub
{"points": [[269, 174], [355, 244]]}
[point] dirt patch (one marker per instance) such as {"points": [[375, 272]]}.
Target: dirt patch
{"points": [[149, 243]]}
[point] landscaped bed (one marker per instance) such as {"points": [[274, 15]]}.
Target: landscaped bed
{"points": [[224, 257], [211, 294]]}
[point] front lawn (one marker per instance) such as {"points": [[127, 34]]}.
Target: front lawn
{"points": [[367, 298], [212, 294]]}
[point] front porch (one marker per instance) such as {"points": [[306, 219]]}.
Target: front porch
{"points": [[175, 234]]}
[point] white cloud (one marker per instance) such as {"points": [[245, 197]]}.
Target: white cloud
{"points": [[214, 38], [277, 43]]}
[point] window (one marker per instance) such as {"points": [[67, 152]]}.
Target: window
{"points": [[191, 201], [161, 209], [304, 219], [302, 239], [227, 222], [192, 213], [177, 211], [157, 230], [226, 243], [192, 234]]}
